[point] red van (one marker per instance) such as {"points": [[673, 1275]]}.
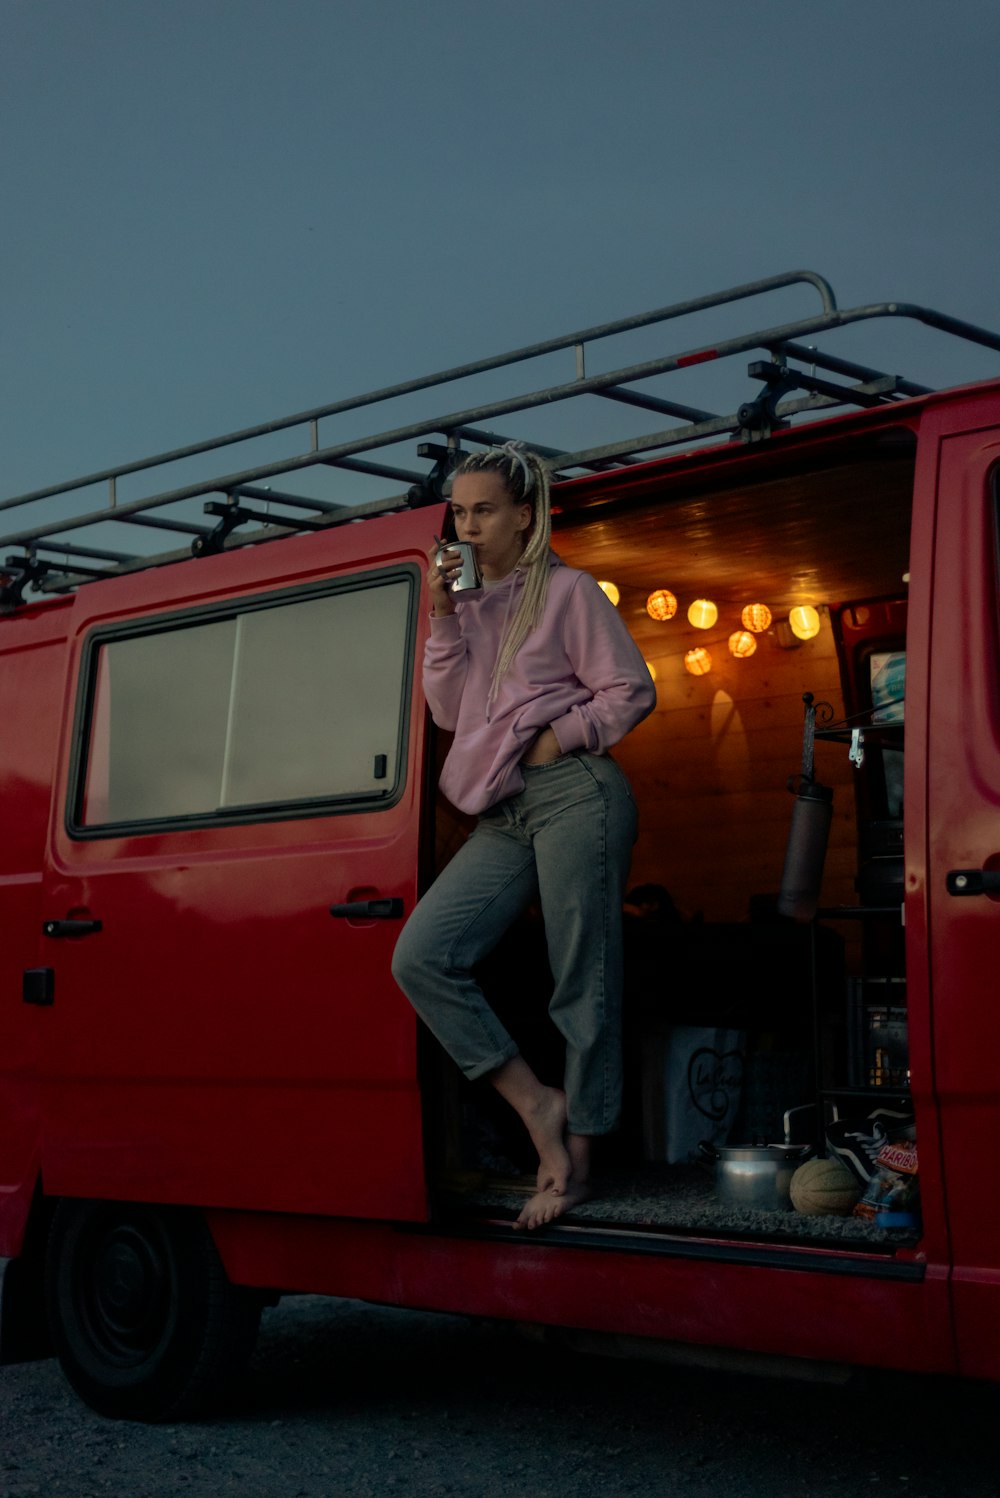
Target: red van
{"points": [[218, 781]]}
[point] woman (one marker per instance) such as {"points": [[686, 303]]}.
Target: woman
{"points": [[537, 677]]}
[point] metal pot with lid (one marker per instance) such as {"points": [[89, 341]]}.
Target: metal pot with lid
{"points": [[757, 1176]]}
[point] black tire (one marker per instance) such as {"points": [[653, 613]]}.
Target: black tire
{"points": [[145, 1322]]}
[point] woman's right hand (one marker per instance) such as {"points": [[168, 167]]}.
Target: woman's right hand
{"points": [[439, 579]]}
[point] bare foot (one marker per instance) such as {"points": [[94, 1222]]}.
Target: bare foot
{"points": [[546, 1206], [546, 1124], [542, 1110]]}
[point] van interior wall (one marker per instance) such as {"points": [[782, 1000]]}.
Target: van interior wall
{"points": [[710, 768]]}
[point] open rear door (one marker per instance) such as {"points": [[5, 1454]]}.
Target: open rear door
{"points": [[964, 862], [235, 768]]}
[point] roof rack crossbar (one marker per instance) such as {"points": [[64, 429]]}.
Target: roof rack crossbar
{"points": [[161, 523], [276, 496], [497, 439], [810, 355], [96, 554], [874, 392], [58, 579], [655, 403], [379, 470]]}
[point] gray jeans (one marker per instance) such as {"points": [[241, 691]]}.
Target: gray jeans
{"points": [[566, 839]]}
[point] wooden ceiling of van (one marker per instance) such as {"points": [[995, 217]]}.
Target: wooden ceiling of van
{"points": [[823, 537]]}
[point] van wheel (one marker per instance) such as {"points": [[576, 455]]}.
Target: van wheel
{"points": [[144, 1319]]}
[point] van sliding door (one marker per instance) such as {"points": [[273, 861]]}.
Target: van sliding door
{"points": [[239, 850]]}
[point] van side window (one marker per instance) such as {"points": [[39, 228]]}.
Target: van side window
{"points": [[278, 705]]}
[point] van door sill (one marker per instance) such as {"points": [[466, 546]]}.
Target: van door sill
{"points": [[875, 1262]]}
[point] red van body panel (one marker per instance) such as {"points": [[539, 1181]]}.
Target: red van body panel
{"points": [[262, 1056], [222, 1041], [702, 1294], [963, 801], [32, 671]]}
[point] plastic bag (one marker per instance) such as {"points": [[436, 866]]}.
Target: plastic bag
{"points": [[696, 1085]]}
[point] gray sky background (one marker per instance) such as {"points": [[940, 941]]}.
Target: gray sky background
{"points": [[217, 212]]}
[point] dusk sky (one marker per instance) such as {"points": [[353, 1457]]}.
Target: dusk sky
{"points": [[217, 212]]}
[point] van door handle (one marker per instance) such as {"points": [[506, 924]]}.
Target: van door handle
{"points": [[70, 928], [973, 882], [380, 910]]}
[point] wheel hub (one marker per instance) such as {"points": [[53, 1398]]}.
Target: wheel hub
{"points": [[124, 1281], [130, 1293]]}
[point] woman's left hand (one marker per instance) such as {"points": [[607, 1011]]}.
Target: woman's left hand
{"points": [[545, 748]]}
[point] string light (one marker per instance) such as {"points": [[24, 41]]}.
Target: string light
{"points": [[742, 643], [610, 591], [702, 613], [804, 622], [698, 661], [661, 605], [756, 617]]}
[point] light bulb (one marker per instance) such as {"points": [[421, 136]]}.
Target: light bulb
{"points": [[610, 591], [698, 661], [804, 622], [661, 605], [756, 617], [703, 613]]}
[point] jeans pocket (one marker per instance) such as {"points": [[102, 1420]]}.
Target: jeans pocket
{"points": [[609, 774], [546, 764], [625, 782]]}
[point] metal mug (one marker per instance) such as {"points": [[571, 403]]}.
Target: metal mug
{"points": [[469, 579]]}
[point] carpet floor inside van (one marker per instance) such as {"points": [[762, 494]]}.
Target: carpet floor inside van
{"points": [[676, 1199]]}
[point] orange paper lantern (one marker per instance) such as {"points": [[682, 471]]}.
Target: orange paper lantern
{"points": [[698, 661], [756, 617], [702, 613], [804, 622], [661, 605], [742, 643]]}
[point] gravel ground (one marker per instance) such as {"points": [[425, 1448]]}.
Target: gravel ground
{"points": [[353, 1401]]}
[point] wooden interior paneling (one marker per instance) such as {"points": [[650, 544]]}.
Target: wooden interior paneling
{"points": [[710, 766]]}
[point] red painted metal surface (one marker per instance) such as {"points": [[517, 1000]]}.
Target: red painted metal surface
{"points": [[32, 671], [797, 1313], [963, 801], [222, 1041]]}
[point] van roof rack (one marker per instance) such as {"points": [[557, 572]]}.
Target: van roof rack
{"points": [[50, 563]]}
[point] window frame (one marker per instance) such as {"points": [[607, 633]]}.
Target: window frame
{"points": [[219, 611]]}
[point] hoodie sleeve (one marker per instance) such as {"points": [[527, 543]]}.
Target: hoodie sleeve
{"points": [[608, 662], [446, 666]]}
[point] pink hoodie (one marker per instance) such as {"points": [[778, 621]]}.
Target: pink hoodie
{"points": [[579, 671]]}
